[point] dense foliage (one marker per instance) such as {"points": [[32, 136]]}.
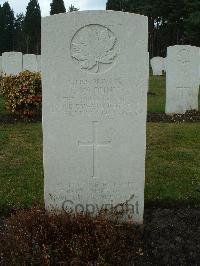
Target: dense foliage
{"points": [[57, 6], [22, 93], [72, 8], [7, 28], [22, 32], [32, 27], [170, 22]]}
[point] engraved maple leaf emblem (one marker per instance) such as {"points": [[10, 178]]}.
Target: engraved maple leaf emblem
{"points": [[93, 47]]}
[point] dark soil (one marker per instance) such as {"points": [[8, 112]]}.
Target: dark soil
{"points": [[11, 119], [189, 116], [168, 237], [171, 237], [151, 93]]}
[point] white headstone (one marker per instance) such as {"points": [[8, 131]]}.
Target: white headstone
{"points": [[12, 63], [1, 70], [157, 65], [148, 62], [30, 62], [95, 76], [182, 82], [39, 63], [199, 66]]}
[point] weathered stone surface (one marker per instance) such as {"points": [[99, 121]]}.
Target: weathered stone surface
{"points": [[39, 63], [30, 62], [95, 76], [12, 63], [182, 79], [157, 65]]}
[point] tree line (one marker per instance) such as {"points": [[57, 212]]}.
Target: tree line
{"points": [[22, 33], [171, 22]]}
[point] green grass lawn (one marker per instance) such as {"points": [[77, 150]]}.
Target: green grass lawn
{"points": [[21, 171], [172, 164], [156, 101]]}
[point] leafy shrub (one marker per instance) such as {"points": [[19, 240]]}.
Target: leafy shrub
{"points": [[33, 237], [22, 93]]}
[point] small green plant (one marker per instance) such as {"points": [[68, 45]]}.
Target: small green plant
{"points": [[22, 93]]}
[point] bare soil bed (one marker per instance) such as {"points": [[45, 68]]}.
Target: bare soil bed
{"points": [[171, 237], [189, 116]]}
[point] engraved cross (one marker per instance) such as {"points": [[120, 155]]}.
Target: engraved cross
{"points": [[94, 144]]}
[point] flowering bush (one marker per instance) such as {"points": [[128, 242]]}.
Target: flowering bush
{"points": [[22, 93]]}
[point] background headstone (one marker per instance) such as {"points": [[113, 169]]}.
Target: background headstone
{"points": [[199, 66], [12, 63], [1, 70], [182, 80], [95, 77], [157, 65], [30, 62]]}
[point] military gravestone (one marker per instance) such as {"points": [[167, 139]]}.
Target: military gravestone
{"points": [[95, 76], [12, 63], [182, 79], [157, 65], [30, 62]]}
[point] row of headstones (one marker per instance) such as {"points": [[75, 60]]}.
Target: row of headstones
{"points": [[182, 67], [12, 63], [159, 65]]}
